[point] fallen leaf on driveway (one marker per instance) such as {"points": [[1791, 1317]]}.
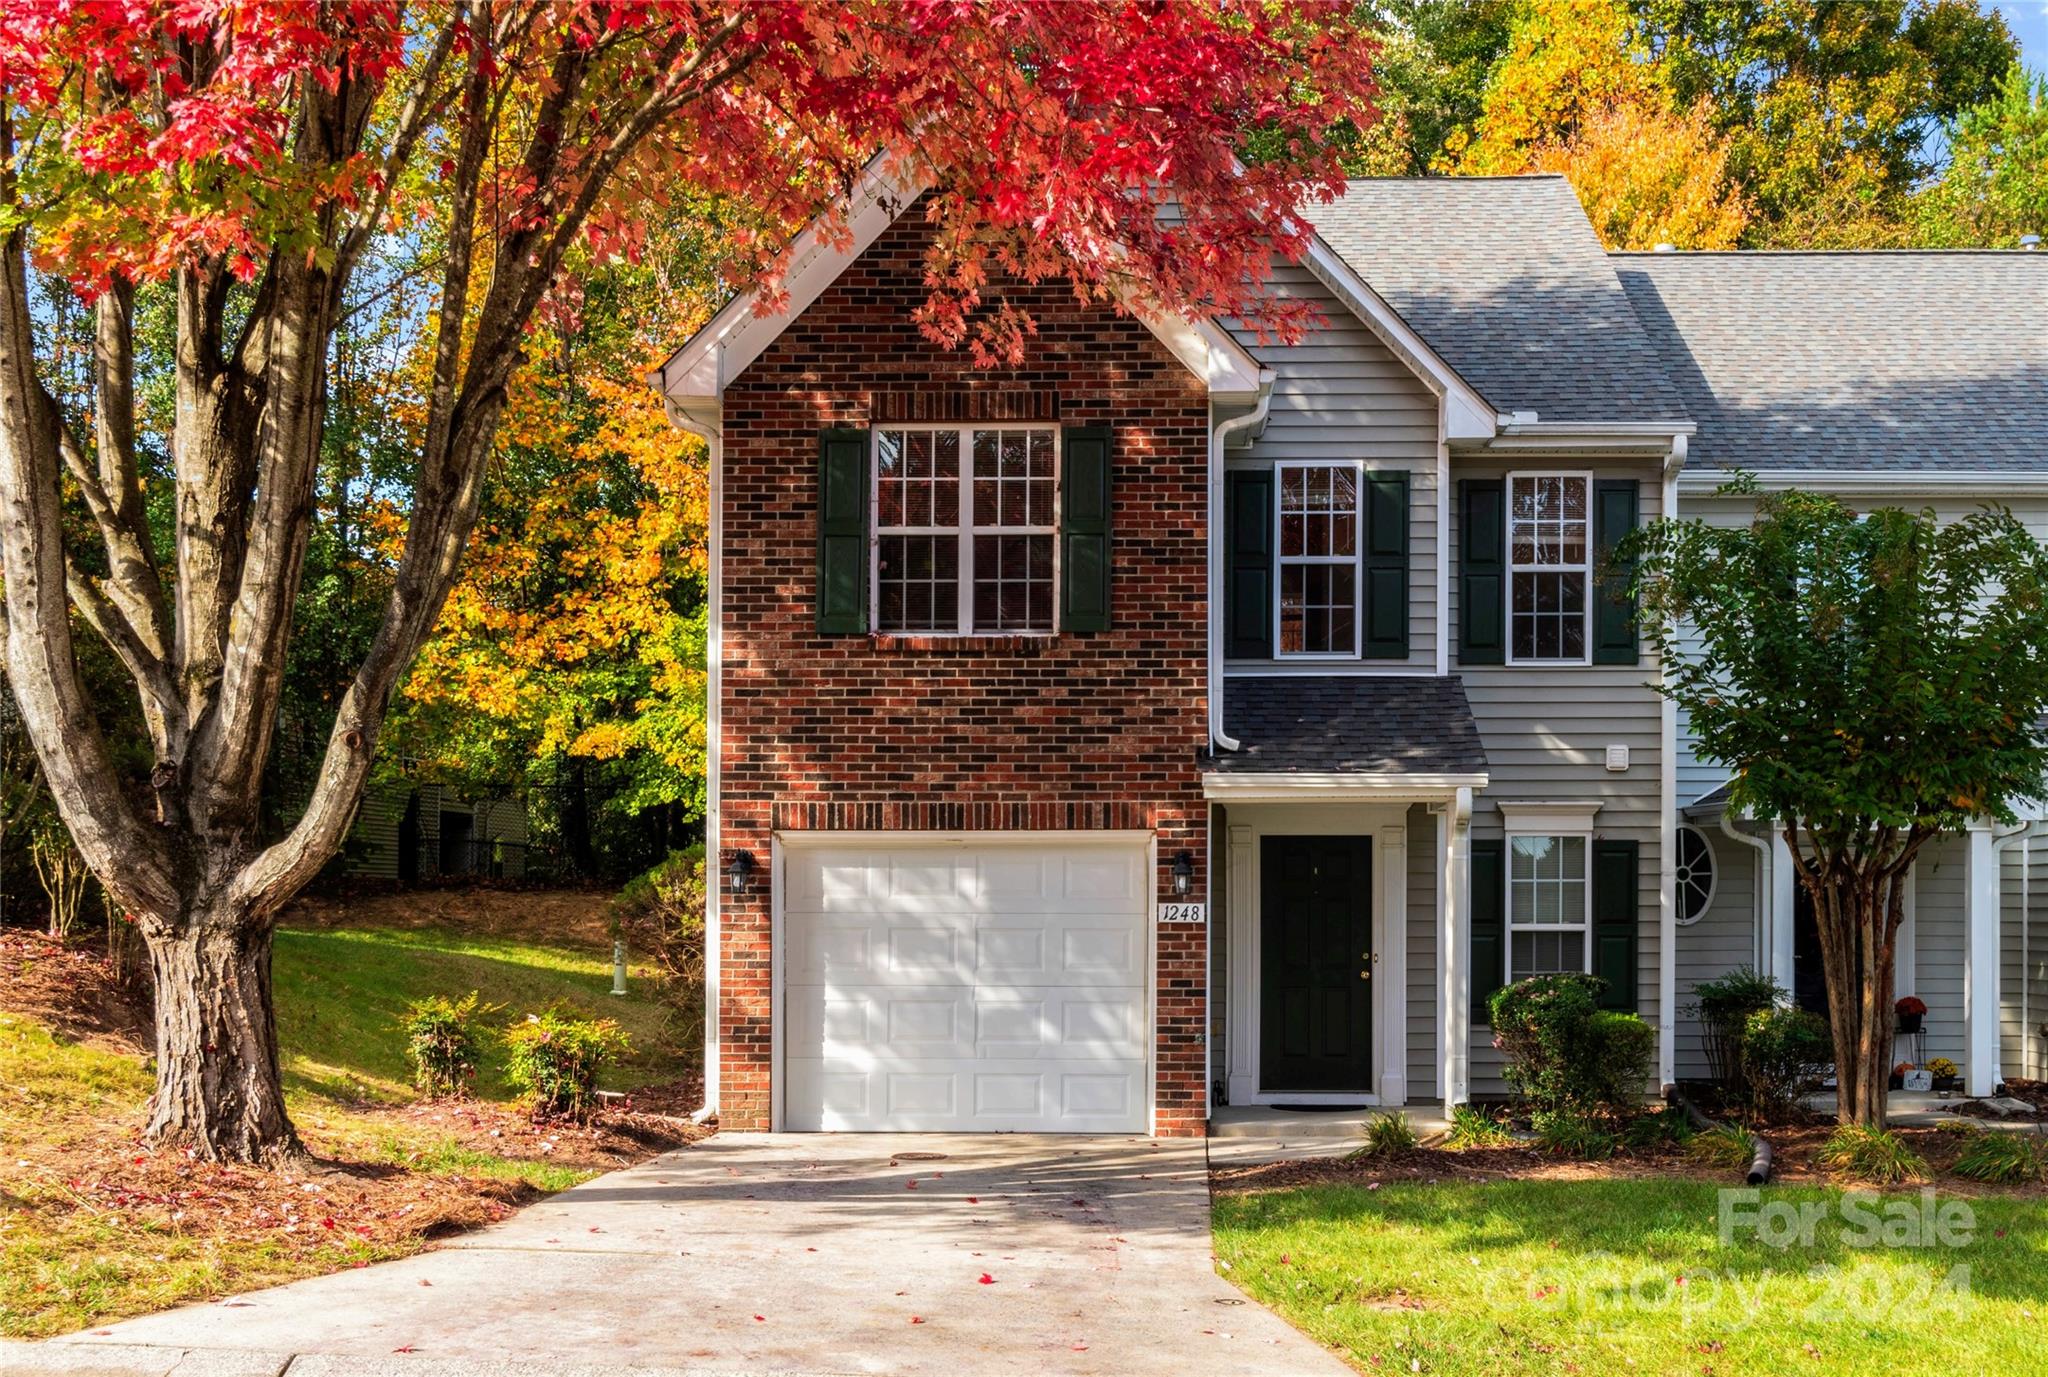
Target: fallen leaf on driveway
{"points": [[911, 1184], [972, 1200], [405, 1348], [917, 1319], [762, 1318], [987, 1280]]}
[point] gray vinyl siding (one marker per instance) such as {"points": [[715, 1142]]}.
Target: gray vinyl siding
{"points": [[1340, 394], [2031, 993], [1423, 974], [1697, 776], [372, 846], [1547, 730], [1723, 939], [1940, 896], [2013, 884]]}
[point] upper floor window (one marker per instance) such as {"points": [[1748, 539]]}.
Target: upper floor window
{"points": [[965, 520], [1318, 558], [1549, 565]]}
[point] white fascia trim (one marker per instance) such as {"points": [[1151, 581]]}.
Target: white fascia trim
{"points": [[1549, 818], [1651, 438], [1930, 482], [1467, 415], [796, 838], [738, 334], [1311, 788]]}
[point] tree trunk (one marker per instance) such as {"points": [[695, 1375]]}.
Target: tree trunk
{"points": [[218, 1086], [1858, 920]]}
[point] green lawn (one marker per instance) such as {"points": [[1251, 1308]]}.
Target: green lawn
{"points": [[340, 991], [1611, 1277], [92, 1228]]}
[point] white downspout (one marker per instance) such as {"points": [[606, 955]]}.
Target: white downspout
{"points": [[714, 639], [1218, 439], [1667, 832], [1759, 889]]}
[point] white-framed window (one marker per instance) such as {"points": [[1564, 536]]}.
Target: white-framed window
{"points": [[965, 526], [1550, 567], [1319, 510], [1693, 873], [1550, 904]]}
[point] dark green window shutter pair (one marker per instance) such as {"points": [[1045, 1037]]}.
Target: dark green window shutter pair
{"points": [[1248, 565], [1614, 612], [1386, 564], [1614, 921], [1489, 925], [1482, 571], [1248, 618], [1615, 926], [1085, 460], [843, 530]]}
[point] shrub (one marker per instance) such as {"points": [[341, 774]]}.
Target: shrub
{"points": [[1564, 1052], [661, 914], [1667, 1125], [1730, 1145], [1475, 1128], [1567, 1133], [556, 1060], [1783, 1053], [1722, 1008], [1876, 1155], [2003, 1158], [1388, 1135], [442, 1040]]}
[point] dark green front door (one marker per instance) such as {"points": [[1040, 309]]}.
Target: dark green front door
{"points": [[1315, 964]]}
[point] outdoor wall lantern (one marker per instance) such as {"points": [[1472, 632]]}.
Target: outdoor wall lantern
{"points": [[739, 871], [1183, 874]]}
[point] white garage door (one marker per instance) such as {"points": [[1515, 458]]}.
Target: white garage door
{"points": [[966, 987]]}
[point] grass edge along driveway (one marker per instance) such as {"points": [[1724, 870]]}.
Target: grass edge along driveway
{"points": [[1631, 1276]]}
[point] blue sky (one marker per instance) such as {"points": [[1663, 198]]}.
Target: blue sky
{"points": [[2028, 20]]}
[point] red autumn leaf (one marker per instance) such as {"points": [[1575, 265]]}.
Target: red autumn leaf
{"points": [[917, 1319], [405, 1348], [987, 1280], [762, 1318], [972, 1200]]}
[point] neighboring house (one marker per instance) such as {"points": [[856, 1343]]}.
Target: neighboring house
{"points": [[1177, 719], [409, 832]]}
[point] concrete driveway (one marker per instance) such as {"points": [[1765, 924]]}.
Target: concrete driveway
{"points": [[783, 1253]]}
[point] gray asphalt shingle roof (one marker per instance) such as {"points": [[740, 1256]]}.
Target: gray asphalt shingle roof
{"points": [[1349, 724], [1853, 361], [1507, 281]]}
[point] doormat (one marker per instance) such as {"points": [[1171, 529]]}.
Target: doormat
{"points": [[1318, 1108]]}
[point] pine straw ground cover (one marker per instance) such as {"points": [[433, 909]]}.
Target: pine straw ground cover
{"points": [[95, 1228], [1505, 1261]]}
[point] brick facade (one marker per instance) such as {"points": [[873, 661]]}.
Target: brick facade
{"points": [[993, 733]]}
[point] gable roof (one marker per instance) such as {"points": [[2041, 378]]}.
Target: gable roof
{"points": [[1504, 277], [1878, 362], [696, 374]]}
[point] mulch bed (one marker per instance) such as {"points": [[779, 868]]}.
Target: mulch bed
{"points": [[1795, 1148], [71, 990]]}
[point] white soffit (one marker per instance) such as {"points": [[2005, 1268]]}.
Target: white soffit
{"points": [[737, 335], [1550, 817]]}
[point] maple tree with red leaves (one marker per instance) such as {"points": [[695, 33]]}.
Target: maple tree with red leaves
{"points": [[249, 159]]}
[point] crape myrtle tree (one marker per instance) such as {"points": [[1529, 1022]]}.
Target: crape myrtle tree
{"points": [[1872, 680], [251, 157]]}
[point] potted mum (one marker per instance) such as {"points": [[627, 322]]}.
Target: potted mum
{"points": [[1946, 1077], [1911, 1009]]}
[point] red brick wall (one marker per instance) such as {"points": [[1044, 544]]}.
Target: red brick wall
{"points": [[996, 733]]}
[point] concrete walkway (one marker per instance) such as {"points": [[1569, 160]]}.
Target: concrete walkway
{"points": [[775, 1253]]}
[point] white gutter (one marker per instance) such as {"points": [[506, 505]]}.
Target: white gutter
{"points": [[1760, 886], [1218, 440], [1667, 826], [1934, 484], [1275, 786]]}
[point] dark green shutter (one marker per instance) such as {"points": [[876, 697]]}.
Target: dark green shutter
{"points": [[1084, 528], [842, 532], [1614, 612], [1386, 564], [1482, 572], [1489, 925], [1614, 921], [1248, 566]]}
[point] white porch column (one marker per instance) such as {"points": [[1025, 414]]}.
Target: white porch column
{"points": [[1980, 962], [1455, 999], [1778, 919], [1390, 977]]}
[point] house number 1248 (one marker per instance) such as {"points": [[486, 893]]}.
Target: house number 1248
{"points": [[1183, 913]]}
